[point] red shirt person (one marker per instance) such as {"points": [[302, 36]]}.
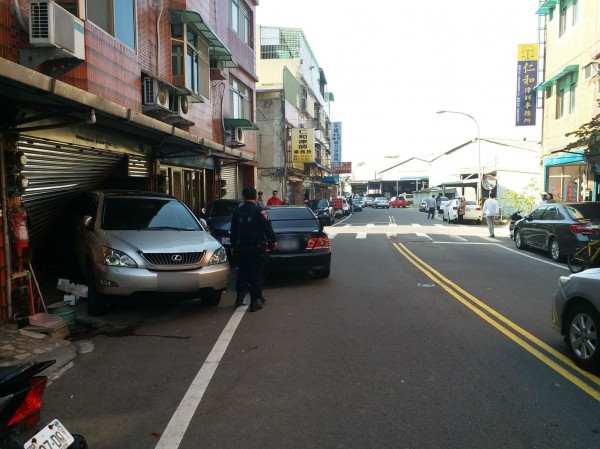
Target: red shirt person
{"points": [[274, 200]]}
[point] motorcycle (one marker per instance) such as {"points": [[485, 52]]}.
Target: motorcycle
{"points": [[21, 392], [514, 217]]}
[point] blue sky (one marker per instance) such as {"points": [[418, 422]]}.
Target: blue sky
{"points": [[391, 65]]}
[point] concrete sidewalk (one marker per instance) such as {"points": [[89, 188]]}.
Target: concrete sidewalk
{"points": [[18, 346]]}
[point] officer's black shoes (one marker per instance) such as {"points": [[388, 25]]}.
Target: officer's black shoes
{"points": [[262, 300], [255, 305]]}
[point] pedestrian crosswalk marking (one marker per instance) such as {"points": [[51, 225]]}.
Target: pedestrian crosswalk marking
{"points": [[371, 225], [457, 237], [361, 235], [416, 225], [421, 234]]}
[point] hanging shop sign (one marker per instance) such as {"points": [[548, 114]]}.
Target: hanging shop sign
{"points": [[303, 145]]}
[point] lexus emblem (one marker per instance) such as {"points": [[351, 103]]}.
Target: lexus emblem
{"points": [[176, 258]]}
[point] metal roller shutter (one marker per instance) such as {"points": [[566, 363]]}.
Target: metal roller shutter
{"points": [[57, 174], [229, 175]]}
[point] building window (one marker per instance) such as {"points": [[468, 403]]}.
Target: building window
{"points": [[240, 99], [190, 67], [116, 17], [569, 15], [240, 20], [566, 95]]}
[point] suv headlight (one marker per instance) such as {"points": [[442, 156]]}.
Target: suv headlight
{"points": [[115, 258], [219, 256]]}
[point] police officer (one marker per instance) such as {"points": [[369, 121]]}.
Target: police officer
{"points": [[250, 227]]}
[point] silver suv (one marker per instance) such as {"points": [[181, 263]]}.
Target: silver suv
{"points": [[136, 243]]}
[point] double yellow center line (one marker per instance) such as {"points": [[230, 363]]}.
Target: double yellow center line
{"points": [[517, 334]]}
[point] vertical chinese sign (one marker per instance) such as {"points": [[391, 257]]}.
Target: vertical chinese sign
{"points": [[303, 145], [527, 75], [336, 143]]}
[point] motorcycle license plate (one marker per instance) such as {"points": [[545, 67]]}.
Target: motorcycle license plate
{"points": [[53, 436]]}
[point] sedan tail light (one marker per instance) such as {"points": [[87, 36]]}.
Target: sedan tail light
{"points": [[580, 228], [318, 243]]}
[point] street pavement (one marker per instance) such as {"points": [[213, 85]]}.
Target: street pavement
{"points": [[19, 345]]}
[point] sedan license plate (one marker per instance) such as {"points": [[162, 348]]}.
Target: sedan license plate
{"points": [[288, 244], [225, 241], [53, 436]]}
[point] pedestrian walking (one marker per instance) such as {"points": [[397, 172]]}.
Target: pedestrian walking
{"points": [[438, 203], [431, 207], [274, 200], [250, 230], [461, 209], [259, 200], [491, 208]]}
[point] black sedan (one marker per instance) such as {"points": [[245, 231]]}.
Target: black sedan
{"points": [[218, 217], [323, 208], [302, 244], [557, 228]]}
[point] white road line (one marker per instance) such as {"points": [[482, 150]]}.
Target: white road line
{"points": [[416, 225], [331, 235], [439, 225], [371, 225], [361, 235], [421, 234], [175, 430], [393, 224], [457, 237]]}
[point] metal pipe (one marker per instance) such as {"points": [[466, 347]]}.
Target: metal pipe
{"points": [[479, 199], [7, 306]]}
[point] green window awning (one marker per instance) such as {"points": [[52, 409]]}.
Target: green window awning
{"points": [[218, 50], [546, 7], [240, 123], [570, 69], [329, 96]]}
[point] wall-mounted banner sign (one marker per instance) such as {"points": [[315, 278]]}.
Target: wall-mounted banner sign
{"points": [[336, 143], [527, 80], [303, 145]]}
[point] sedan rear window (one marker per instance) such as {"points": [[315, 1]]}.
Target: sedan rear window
{"points": [[295, 216], [590, 211]]}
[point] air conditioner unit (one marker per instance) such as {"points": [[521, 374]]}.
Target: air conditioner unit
{"points": [[53, 26], [236, 134], [156, 94], [182, 107]]}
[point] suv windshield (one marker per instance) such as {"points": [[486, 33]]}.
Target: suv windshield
{"points": [[317, 204], [135, 213], [224, 208]]}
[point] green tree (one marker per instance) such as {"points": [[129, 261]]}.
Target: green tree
{"points": [[523, 200]]}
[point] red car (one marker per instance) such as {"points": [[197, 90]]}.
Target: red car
{"points": [[398, 201]]}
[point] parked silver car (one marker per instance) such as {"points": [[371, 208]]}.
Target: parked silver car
{"points": [[576, 316], [381, 201], [138, 243]]}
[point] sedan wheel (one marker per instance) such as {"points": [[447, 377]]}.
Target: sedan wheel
{"points": [[555, 250], [519, 240], [582, 336]]}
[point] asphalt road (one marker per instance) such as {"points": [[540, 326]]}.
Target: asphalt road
{"points": [[426, 335]]}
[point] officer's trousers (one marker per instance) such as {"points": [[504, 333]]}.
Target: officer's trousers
{"points": [[250, 267]]}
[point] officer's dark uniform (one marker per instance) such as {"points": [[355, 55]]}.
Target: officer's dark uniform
{"points": [[250, 228]]}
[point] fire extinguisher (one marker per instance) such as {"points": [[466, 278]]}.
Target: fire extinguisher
{"points": [[17, 219]]}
